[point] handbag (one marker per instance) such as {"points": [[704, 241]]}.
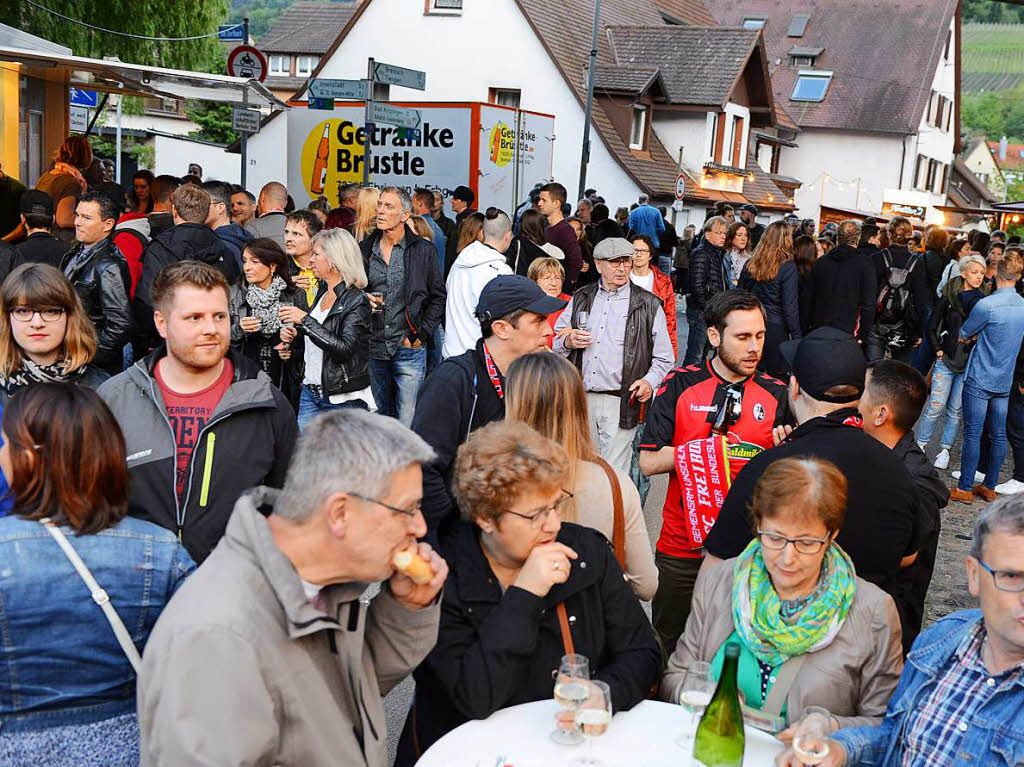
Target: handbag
{"points": [[99, 596], [642, 481]]}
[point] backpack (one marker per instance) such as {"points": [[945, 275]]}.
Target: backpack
{"points": [[895, 299]]}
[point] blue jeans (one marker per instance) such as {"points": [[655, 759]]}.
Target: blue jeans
{"points": [[1015, 431], [983, 408], [434, 350], [947, 394], [697, 337], [311, 405], [924, 354], [396, 382]]}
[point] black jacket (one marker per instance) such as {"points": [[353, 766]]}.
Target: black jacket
{"points": [[603, 230], [182, 242], [103, 283], [934, 264], [8, 258], [521, 253], [496, 650], [708, 274], [344, 338], [845, 290], [944, 327], [247, 442], [40, 248], [754, 233], [235, 237], [900, 257], [423, 292], [456, 398]]}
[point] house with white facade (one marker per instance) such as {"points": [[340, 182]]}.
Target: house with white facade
{"points": [[873, 92]]}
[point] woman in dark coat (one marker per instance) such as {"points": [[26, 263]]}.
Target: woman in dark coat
{"points": [[513, 562], [525, 247]]}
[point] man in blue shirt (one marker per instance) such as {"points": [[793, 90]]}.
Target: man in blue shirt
{"points": [[997, 322], [645, 219]]}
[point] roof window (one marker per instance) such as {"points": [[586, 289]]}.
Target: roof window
{"points": [[754, 22], [811, 85], [798, 25]]}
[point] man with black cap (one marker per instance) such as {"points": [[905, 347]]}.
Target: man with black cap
{"points": [[41, 246], [880, 531], [748, 215], [618, 339], [467, 391]]}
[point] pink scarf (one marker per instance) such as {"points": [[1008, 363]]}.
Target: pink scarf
{"points": [[71, 170]]}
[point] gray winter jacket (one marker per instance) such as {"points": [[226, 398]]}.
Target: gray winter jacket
{"points": [[242, 669]]}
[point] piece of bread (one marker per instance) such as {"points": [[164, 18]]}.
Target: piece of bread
{"points": [[414, 566]]}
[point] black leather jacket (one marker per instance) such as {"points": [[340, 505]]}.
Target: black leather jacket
{"points": [[103, 283], [707, 274], [344, 337]]}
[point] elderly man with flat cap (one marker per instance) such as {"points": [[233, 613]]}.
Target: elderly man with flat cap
{"points": [[618, 339]]}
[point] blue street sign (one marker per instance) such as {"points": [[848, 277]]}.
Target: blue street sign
{"points": [[230, 32], [80, 98], [315, 103]]}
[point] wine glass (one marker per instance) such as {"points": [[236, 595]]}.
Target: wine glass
{"points": [[583, 320], [570, 692], [592, 718], [810, 735], [698, 687]]}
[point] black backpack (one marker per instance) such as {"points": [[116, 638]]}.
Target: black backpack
{"points": [[895, 299]]}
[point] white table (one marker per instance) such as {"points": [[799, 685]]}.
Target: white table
{"points": [[643, 737]]}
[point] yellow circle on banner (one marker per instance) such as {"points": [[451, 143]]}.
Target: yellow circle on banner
{"points": [[331, 155], [501, 144]]}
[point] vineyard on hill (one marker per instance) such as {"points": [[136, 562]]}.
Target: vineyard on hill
{"points": [[993, 57]]}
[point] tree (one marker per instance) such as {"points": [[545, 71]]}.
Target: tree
{"points": [[166, 18], [213, 119]]}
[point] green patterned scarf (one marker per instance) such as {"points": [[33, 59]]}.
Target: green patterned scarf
{"points": [[775, 630]]}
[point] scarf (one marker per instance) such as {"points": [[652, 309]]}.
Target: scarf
{"points": [[265, 304], [71, 170], [30, 373], [774, 629]]}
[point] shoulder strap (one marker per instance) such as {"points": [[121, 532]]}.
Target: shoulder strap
{"points": [[619, 525], [99, 596], [784, 679], [563, 625]]}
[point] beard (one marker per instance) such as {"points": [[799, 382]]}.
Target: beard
{"points": [[740, 364], [199, 359]]}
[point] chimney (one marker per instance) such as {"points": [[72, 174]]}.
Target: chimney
{"points": [[1002, 149]]}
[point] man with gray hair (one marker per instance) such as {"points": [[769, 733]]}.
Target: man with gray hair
{"points": [[844, 286], [270, 653], [406, 289], [477, 264], [960, 698], [708, 274]]}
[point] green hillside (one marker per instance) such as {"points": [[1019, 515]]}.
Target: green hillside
{"points": [[993, 57]]}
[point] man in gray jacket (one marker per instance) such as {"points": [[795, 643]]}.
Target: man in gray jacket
{"points": [[269, 654]]}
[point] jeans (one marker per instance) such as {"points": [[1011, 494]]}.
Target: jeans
{"points": [[396, 382], [924, 354], [697, 337], [434, 350], [983, 408], [1015, 431], [947, 394], [311, 405]]}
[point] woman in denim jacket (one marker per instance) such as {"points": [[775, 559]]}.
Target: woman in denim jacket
{"points": [[67, 689]]}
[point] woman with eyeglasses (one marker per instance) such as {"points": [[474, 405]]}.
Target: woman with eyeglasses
{"points": [[513, 562], [792, 601], [45, 334]]}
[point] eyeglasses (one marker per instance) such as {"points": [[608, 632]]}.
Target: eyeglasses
{"points": [[621, 263], [26, 313], [537, 517], [638, 252], [1005, 580], [408, 512], [776, 542]]}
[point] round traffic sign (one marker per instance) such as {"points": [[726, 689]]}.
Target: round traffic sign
{"points": [[246, 61], [680, 186]]}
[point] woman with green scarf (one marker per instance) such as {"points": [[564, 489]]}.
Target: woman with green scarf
{"points": [[811, 632]]}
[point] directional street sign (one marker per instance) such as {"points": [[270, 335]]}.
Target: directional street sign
{"points": [[407, 78], [79, 98], [246, 61], [314, 103], [247, 120], [354, 90], [231, 32], [392, 115], [79, 119]]}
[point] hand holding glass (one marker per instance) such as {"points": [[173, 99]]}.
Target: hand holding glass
{"points": [[570, 692], [583, 320], [593, 717], [810, 735]]}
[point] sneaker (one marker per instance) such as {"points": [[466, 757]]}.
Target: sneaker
{"points": [[1010, 487], [942, 459], [978, 476], [984, 492], [961, 496]]}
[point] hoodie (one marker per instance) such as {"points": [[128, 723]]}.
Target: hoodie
{"points": [[844, 292], [476, 265], [235, 238]]}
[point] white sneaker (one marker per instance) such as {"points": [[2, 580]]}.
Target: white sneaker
{"points": [[1010, 487], [942, 459], [978, 476]]}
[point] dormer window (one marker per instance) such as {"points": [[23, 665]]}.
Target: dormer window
{"points": [[803, 56], [754, 22], [639, 127], [811, 85]]}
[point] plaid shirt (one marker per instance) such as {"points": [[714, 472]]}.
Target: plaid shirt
{"points": [[935, 731]]}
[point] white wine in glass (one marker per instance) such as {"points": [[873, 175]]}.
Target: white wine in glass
{"points": [[698, 688], [570, 692], [583, 320], [810, 735], [592, 718]]}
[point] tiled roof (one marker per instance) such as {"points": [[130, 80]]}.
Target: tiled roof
{"points": [[961, 171], [692, 12], [284, 83], [883, 54], [1014, 156], [625, 79], [307, 27], [700, 65]]}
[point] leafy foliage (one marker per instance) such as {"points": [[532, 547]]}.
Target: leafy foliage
{"points": [[992, 11], [213, 119], [993, 115]]}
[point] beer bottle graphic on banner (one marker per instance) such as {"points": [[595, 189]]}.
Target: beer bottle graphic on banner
{"points": [[318, 181]]}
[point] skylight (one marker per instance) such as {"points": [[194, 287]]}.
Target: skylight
{"points": [[811, 85], [798, 25], [754, 22]]}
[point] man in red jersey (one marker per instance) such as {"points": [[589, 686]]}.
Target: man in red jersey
{"points": [[686, 407]]}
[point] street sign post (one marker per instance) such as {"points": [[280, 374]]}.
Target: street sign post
{"points": [[246, 120], [231, 32], [392, 115], [407, 78], [79, 119], [246, 61], [345, 90], [79, 98]]}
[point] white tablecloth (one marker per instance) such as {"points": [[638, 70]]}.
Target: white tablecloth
{"points": [[518, 736]]}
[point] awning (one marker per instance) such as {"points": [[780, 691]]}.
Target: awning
{"points": [[139, 80]]}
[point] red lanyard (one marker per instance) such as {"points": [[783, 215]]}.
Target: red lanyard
{"points": [[492, 373]]}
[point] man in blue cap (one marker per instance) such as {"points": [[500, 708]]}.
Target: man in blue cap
{"points": [[467, 391]]}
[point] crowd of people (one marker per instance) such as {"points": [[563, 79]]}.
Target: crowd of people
{"points": [[225, 418]]}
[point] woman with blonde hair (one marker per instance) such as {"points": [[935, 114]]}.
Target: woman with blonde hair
{"points": [[549, 273], [45, 334], [336, 331], [471, 229], [366, 213], [545, 392], [772, 276], [65, 183]]}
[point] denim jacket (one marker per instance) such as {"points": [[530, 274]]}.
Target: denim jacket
{"points": [[996, 734], [60, 663]]}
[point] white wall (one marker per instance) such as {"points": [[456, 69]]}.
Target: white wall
{"points": [[174, 125], [172, 155], [934, 142], [683, 129], [268, 154]]}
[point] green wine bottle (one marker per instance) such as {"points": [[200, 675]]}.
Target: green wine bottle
{"points": [[719, 739]]}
